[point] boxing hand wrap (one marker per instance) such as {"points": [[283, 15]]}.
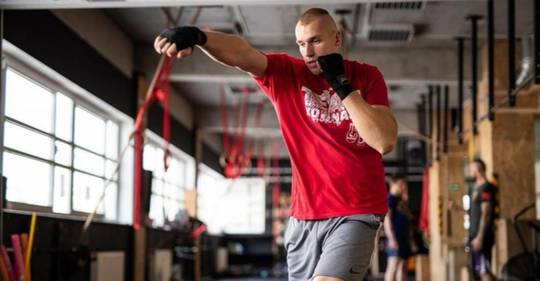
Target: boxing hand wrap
{"points": [[334, 72], [184, 37]]}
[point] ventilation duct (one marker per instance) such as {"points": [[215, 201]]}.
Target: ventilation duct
{"points": [[526, 60], [401, 33], [402, 5]]}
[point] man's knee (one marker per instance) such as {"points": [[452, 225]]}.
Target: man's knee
{"points": [[326, 278]]}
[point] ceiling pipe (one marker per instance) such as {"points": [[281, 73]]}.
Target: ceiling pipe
{"points": [[366, 16], [356, 19], [346, 32]]}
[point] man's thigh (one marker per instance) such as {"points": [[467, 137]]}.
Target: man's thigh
{"points": [[335, 248], [347, 249]]}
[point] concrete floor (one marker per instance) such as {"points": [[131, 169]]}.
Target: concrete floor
{"points": [[411, 278]]}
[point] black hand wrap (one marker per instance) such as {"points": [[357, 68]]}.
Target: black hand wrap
{"points": [[334, 72], [184, 37]]}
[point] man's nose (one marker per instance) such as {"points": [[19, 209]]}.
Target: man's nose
{"points": [[309, 50]]}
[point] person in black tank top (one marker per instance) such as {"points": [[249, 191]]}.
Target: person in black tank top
{"points": [[482, 213]]}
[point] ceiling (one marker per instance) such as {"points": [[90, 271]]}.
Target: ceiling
{"points": [[432, 24]]}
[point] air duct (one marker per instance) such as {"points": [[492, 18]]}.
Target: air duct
{"points": [[526, 60]]}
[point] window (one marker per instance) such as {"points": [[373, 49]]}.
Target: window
{"points": [[58, 151], [167, 195], [231, 206]]}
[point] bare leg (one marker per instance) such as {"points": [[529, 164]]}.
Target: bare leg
{"points": [[401, 270], [487, 277], [390, 274]]}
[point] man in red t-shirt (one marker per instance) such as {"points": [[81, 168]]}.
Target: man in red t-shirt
{"points": [[336, 124]]}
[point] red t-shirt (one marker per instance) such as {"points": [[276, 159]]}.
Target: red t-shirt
{"points": [[334, 172]]}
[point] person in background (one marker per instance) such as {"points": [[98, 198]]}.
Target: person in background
{"points": [[482, 230], [482, 219], [397, 228]]}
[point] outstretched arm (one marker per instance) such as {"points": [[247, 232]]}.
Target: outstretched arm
{"points": [[230, 50]]}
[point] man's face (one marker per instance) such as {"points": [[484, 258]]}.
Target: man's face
{"points": [[316, 38], [404, 189], [473, 170], [399, 187]]}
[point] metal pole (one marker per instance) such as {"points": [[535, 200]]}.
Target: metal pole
{"points": [[438, 120], [536, 42], [461, 59], [491, 55], [474, 68], [430, 112], [421, 111], [430, 122], [511, 51], [445, 127]]}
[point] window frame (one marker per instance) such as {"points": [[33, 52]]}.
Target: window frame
{"points": [[29, 68]]}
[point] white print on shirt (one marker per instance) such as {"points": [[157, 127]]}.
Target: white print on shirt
{"points": [[328, 108]]}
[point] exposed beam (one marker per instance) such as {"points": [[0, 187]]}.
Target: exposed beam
{"points": [[100, 4], [210, 78], [217, 78]]}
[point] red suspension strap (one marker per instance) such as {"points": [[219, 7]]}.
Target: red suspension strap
{"points": [[224, 122], [234, 149], [158, 90], [235, 160], [246, 157], [242, 126], [232, 152], [163, 96]]}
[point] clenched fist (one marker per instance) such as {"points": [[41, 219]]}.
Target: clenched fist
{"points": [[179, 41]]}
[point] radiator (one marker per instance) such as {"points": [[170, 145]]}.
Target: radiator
{"points": [[107, 266], [161, 264]]}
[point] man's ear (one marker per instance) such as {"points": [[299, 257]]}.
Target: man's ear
{"points": [[339, 38]]}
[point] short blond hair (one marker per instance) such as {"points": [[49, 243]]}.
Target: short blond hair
{"points": [[312, 14]]}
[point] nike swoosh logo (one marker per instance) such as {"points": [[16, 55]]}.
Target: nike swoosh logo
{"points": [[351, 271]]}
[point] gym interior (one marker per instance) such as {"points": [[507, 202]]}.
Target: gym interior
{"points": [[119, 163]]}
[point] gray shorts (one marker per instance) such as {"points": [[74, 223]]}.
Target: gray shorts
{"points": [[337, 247]]}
